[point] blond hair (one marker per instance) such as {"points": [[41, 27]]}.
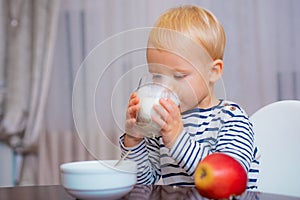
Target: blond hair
{"points": [[195, 23]]}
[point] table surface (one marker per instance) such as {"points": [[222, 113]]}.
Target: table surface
{"points": [[140, 192]]}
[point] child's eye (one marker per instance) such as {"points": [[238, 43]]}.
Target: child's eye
{"points": [[157, 76], [179, 76]]}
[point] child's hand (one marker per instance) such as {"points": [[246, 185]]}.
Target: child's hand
{"points": [[132, 137], [171, 122]]}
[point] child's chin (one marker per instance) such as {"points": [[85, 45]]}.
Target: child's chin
{"points": [[185, 107]]}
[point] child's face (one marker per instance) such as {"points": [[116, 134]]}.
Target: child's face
{"points": [[191, 83]]}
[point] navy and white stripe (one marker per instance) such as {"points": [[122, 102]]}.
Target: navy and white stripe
{"points": [[223, 128]]}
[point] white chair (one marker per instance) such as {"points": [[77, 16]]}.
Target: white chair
{"points": [[277, 131]]}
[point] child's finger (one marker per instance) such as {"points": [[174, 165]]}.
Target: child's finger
{"points": [[130, 122], [168, 104], [161, 123], [132, 110], [133, 101], [161, 111], [133, 95]]}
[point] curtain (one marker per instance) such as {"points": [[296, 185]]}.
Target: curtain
{"points": [[29, 30], [85, 108]]}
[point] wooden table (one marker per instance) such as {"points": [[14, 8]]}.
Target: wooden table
{"points": [[139, 192]]}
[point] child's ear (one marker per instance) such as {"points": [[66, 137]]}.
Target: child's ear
{"points": [[216, 70]]}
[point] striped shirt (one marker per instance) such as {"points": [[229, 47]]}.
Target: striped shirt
{"points": [[224, 128]]}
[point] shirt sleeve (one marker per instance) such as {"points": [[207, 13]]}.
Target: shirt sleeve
{"points": [[234, 137], [188, 152], [147, 156]]}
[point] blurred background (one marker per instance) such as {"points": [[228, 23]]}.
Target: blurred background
{"points": [[54, 108]]}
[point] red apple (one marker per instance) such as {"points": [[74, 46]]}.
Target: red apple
{"points": [[220, 176]]}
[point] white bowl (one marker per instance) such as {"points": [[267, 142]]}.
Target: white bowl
{"points": [[98, 179]]}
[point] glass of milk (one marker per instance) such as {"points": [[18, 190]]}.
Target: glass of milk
{"points": [[150, 90]]}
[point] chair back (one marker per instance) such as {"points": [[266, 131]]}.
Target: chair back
{"points": [[277, 135]]}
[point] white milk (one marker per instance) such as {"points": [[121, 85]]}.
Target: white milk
{"points": [[149, 96], [146, 106]]}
